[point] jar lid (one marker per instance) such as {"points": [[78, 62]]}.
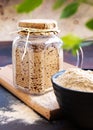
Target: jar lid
{"points": [[43, 24]]}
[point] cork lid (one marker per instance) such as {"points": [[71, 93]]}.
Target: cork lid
{"points": [[38, 24]]}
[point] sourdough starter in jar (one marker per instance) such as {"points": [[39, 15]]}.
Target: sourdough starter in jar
{"points": [[37, 54]]}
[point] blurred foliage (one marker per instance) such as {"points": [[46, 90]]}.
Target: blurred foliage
{"points": [[71, 41], [58, 4], [70, 7], [69, 10], [28, 5], [89, 24]]}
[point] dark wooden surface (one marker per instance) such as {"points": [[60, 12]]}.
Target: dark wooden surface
{"points": [[7, 99]]}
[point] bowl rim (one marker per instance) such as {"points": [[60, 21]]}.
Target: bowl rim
{"points": [[54, 76]]}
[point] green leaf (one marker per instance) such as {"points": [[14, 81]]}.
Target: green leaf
{"points": [[69, 10], [71, 42], [28, 5], [89, 24], [58, 3]]}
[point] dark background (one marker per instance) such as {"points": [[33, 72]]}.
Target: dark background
{"points": [[6, 55]]}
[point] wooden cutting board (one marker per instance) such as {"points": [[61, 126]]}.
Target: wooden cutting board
{"points": [[46, 105]]}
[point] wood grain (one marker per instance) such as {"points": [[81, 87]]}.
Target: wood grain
{"points": [[46, 105]]}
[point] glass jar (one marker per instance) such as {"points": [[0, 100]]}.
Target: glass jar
{"points": [[36, 54]]}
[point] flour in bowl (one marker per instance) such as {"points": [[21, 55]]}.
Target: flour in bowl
{"points": [[76, 79]]}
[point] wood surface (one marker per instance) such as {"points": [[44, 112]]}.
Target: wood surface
{"points": [[46, 105]]}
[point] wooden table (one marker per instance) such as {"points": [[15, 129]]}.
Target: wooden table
{"points": [[15, 115]]}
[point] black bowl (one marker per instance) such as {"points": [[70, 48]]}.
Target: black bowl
{"points": [[75, 105]]}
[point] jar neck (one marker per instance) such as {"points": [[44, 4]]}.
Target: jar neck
{"points": [[37, 32], [24, 34]]}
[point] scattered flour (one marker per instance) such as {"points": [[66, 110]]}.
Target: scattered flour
{"points": [[19, 112]]}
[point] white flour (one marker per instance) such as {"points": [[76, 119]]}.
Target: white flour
{"points": [[19, 112], [77, 79]]}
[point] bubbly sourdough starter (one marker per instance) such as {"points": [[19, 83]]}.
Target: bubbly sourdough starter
{"points": [[77, 79]]}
